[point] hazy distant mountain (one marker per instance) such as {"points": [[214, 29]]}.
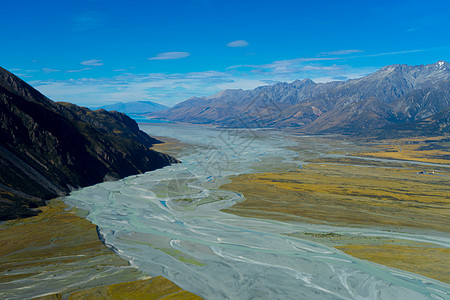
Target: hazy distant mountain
{"points": [[49, 148], [394, 94], [229, 106], [137, 107]]}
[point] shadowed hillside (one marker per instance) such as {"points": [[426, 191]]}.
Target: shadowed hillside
{"points": [[48, 148]]}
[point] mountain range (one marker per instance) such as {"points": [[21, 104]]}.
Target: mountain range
{"points": [[394, 95], [135, 107], [49, 148]]}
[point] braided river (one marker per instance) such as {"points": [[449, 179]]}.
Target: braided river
{"points": [[169, 222]]}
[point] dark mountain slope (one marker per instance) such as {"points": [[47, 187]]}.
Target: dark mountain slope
{"points": [[48, 148], [435, 125]]}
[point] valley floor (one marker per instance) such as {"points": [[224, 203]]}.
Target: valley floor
{"points": [[340, 185], [58, 254], [362, 190]]}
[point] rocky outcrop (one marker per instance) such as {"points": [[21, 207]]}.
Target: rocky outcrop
{"points": [[48, 149]]}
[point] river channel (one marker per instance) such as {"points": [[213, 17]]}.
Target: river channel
{"points": [[168, 222]]}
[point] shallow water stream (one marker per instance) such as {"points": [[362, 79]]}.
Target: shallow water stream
{"points": [[168, 222]]}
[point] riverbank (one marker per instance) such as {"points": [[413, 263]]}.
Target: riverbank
{"points": [[58, 254], [348, 191]]}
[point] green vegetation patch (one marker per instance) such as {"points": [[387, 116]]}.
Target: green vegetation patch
{"points": [[178, 255]]}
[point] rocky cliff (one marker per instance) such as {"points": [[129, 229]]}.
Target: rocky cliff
{"points": [[48, 149]]}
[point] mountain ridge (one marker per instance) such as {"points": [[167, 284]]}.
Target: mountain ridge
{"points": [[393, 94]]}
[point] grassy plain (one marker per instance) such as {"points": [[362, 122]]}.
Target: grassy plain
{"points": [[424, 149], [155, 288], [170, 146], [348, 195], [351, 191]]}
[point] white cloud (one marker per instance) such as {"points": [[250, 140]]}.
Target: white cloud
{"points": [[92, 63], [170, 55], [238, 43]]}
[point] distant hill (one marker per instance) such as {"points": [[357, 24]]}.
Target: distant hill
{"points": [[48, 148], [137, 107], [393, 95]]}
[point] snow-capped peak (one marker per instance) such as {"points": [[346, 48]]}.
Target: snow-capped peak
{"points": [[441, 64]]}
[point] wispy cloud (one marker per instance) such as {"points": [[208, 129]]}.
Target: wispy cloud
{"points": [[48, 70], [320, 68], [340, 77], [391, 53], [172, 88], [341, 52], [78, 70], [238, 43], [92, 63], [23, 75], [296, 65], [281, 64], [162, 88], [170, 55]]}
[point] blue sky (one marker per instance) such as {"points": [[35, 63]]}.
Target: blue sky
{"points": [[96, 52]]}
